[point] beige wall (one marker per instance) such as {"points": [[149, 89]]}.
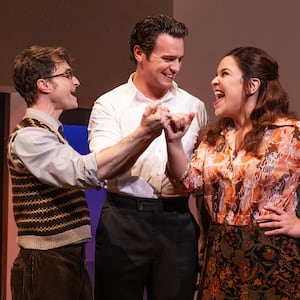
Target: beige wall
{"points": [[94, 31], [217, 26]]}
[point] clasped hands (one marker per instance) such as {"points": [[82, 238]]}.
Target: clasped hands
{"points": [[178, 125], [157, 118]]}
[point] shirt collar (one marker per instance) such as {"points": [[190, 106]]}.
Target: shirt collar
{"points": [[140, 96], [43, 117]]}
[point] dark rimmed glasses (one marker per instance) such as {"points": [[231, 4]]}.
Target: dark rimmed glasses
{"points": [[67, 74]]}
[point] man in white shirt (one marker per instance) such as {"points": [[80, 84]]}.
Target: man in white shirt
{"points": [[146, 235]]}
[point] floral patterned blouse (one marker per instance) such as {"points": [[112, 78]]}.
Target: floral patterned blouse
{"points": [[237, 185]]}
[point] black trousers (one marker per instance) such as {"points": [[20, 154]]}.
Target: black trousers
{"points": [[56, 274], [148, 243]]}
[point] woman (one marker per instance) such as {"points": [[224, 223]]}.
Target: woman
{"points": [[246, 162]]}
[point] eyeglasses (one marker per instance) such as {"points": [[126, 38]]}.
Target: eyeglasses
{"points": [[67, 74]]}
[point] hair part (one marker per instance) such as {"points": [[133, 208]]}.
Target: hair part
{"points": [[34, 63], [145, 32]]}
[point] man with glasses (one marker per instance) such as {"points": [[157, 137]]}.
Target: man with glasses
{"points": [[48, 178]]}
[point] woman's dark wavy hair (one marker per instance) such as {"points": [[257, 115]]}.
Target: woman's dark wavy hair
{"points": [[34, 63], [272, 101], [145, 32]]}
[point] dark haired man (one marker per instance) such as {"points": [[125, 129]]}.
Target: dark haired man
{"points": [[48, 178], [146, 234]]}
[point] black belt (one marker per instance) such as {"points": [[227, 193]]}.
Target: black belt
{"points": [[172, 204]]}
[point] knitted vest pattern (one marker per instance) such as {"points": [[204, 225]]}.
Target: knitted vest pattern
{"points": [[41, 209]]}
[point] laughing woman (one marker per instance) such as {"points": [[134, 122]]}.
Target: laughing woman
{"points": [[245, 162]]}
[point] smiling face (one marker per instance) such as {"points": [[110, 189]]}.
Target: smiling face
{"points": [[155, 75], [228, 87], [63, 87]]}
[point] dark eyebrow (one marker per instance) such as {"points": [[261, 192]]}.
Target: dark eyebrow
{"points": [[224, 69], [172, 57], [69, 70]]}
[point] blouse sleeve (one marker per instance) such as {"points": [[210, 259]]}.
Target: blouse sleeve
{"points": [[193, 177]]}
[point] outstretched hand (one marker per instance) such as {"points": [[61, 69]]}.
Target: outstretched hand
{"points": [[280, 222], [178, 125], [155, 118]]}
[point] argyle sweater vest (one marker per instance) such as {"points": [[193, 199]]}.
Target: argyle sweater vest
{"points": [[46, 216]]}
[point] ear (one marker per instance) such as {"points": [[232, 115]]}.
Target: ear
{"points": [[138, 53], [254, 85], [44, 85]]}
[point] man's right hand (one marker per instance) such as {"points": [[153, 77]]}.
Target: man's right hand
{"points": [[155, 118]]}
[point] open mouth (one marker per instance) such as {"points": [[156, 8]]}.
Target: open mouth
{"points": [[170, 76], [73, 92], [219, 94]]}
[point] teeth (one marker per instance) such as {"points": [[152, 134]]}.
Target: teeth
{"points": [[219, 94], [169, 76]]}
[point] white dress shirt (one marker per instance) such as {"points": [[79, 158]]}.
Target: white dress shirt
{"points": [[118, 113]]}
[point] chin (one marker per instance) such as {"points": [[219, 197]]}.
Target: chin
{"points": [[217, 113], [219, 110], [168, 83], [75, 104]]}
